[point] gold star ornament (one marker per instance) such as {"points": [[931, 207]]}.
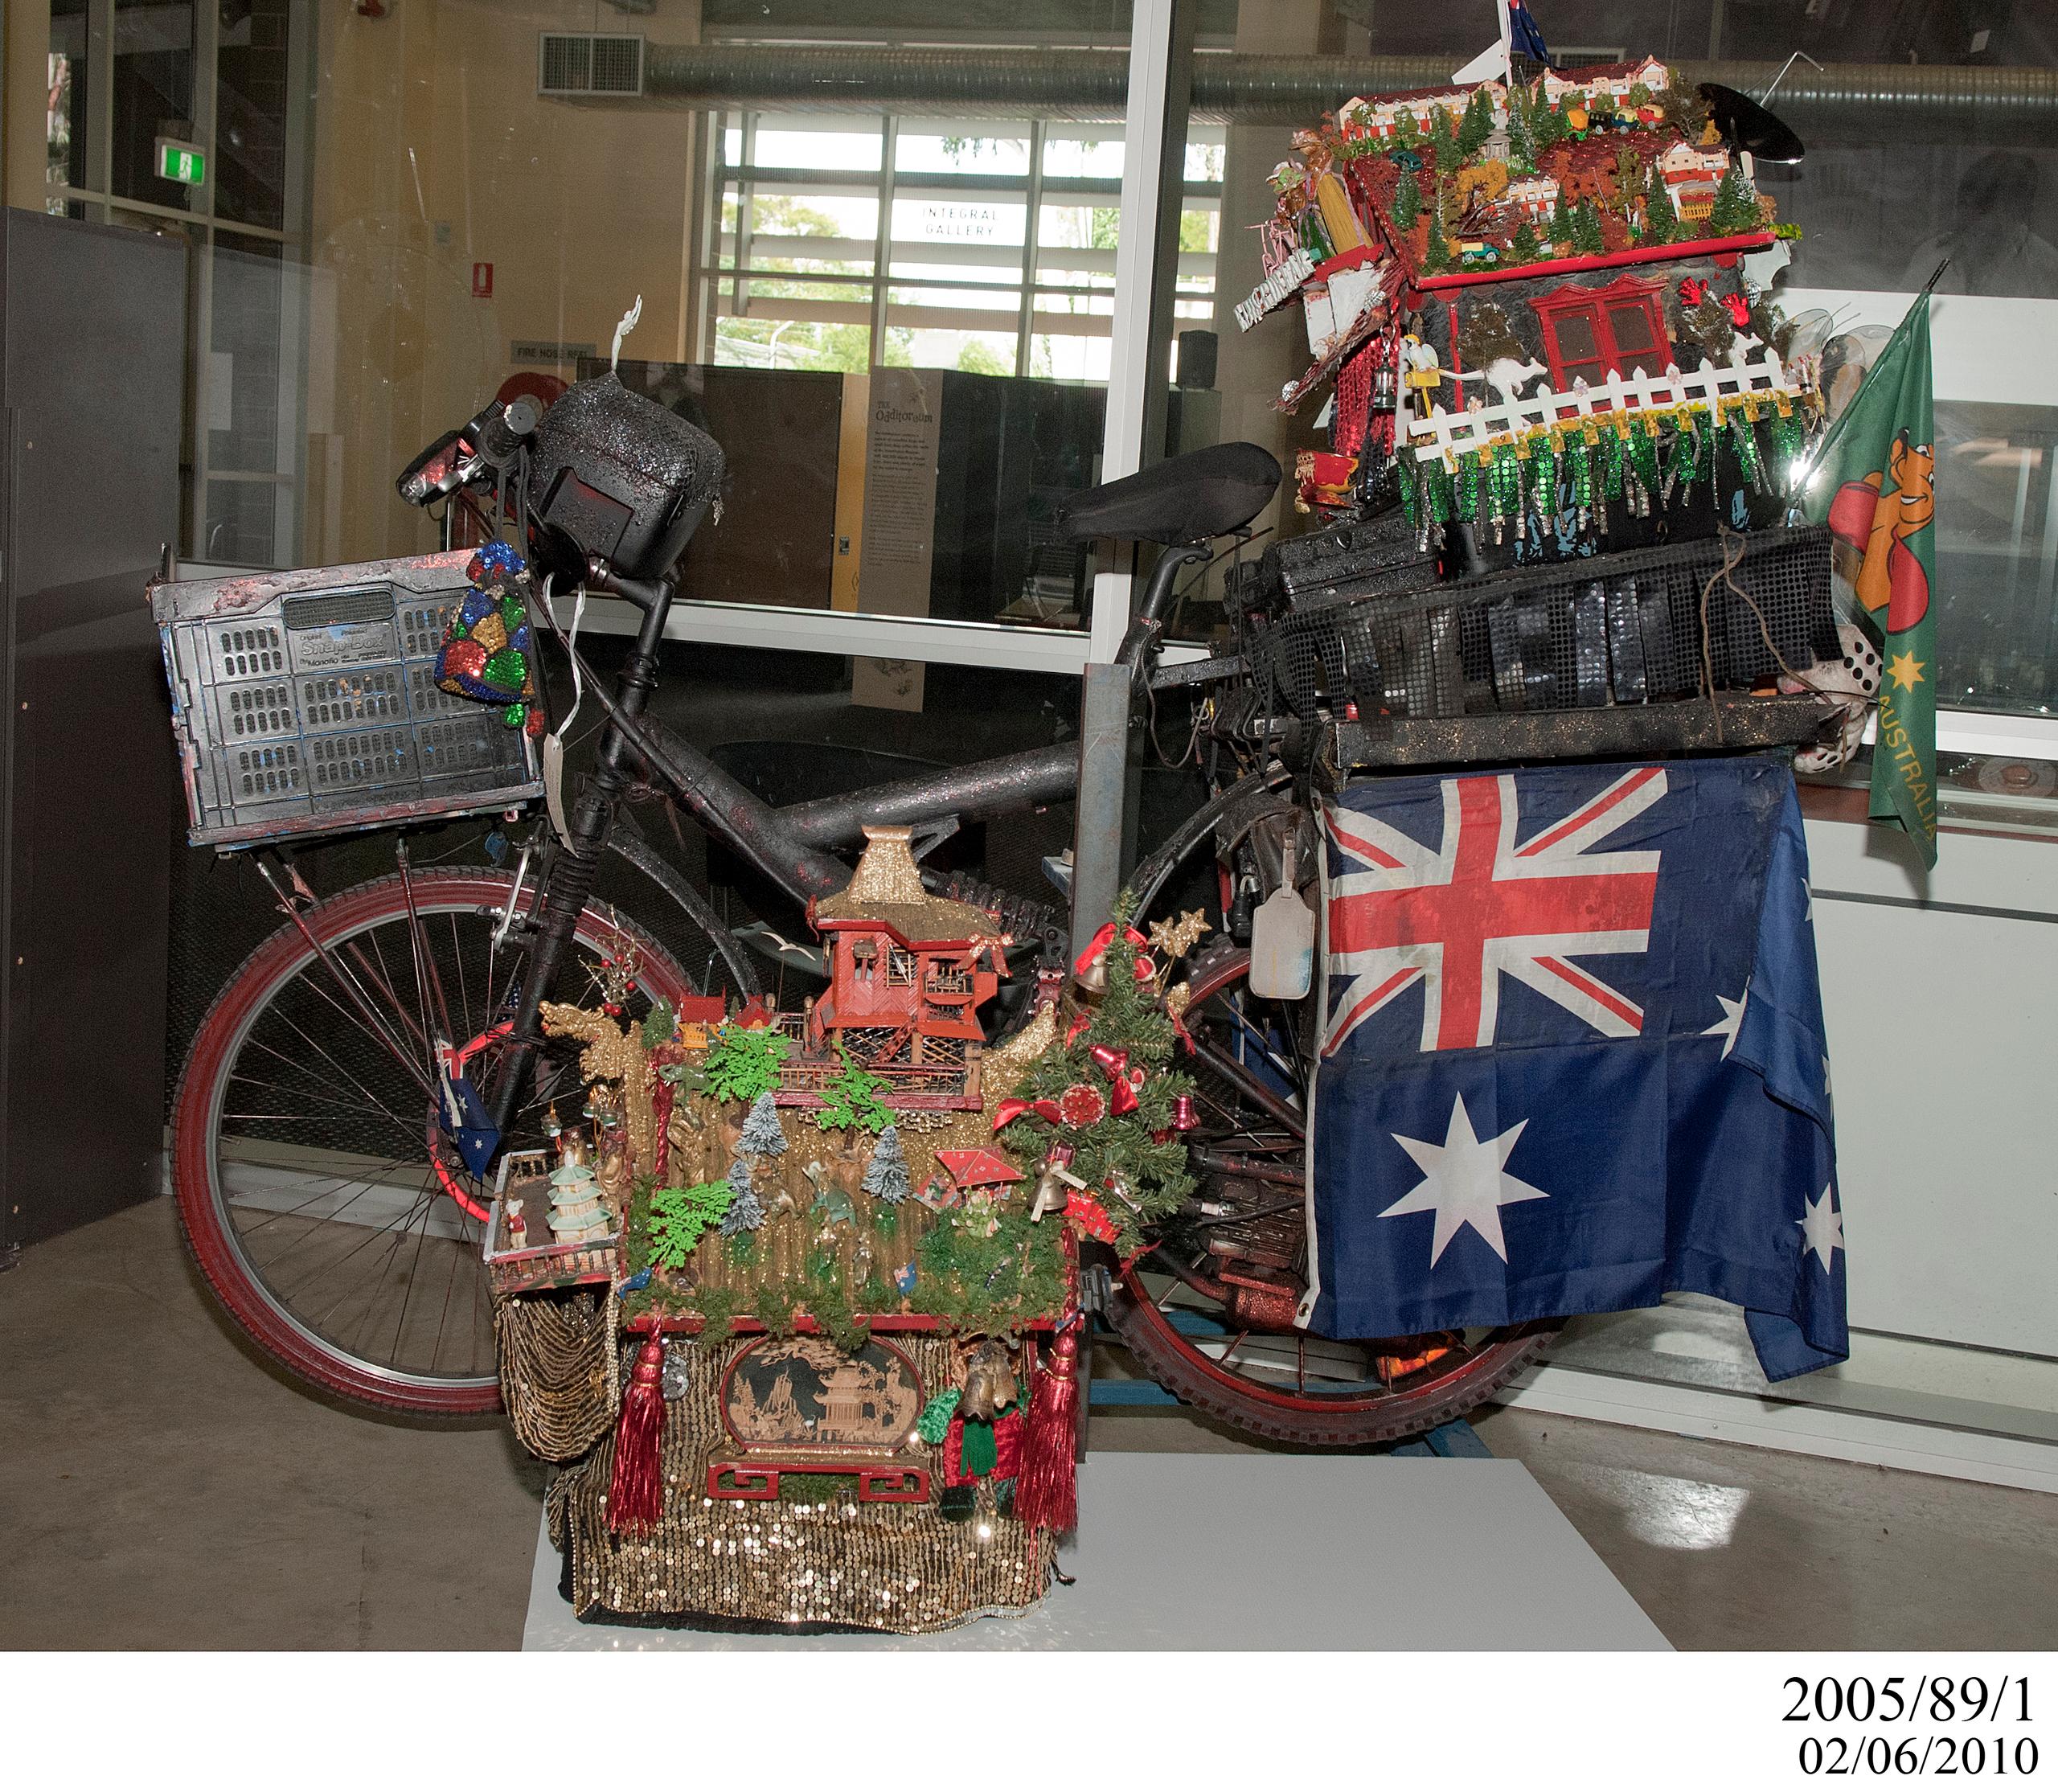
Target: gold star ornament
{"points": [[1176, 938]]}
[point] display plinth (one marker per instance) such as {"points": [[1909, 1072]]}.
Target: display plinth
{"points": [[1190, 1551]]}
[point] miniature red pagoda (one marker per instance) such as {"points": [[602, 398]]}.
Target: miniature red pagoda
{"points": [[907, 973]]}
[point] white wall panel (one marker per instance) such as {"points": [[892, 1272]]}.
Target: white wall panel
{"points": [[1940, 1021]]}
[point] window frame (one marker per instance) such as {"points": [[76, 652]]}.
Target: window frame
{"points": [[1594, 305]]}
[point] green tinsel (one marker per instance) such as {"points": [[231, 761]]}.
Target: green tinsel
{"points": [[1468, 490], [936, 1417], [977, 1451], [1641, 449], [1611, 464], [1411, 500], [1436, 479], [1743, 438], [1582, 459]]}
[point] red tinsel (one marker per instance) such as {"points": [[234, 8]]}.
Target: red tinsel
{"points": [[1353, 401], [636, 1494], [1047, 1489]]}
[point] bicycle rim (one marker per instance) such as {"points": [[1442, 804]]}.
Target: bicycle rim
{"points": [[316, 1191]]}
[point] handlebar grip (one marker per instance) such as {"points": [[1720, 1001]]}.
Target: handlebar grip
{"points": [[502, 435]]}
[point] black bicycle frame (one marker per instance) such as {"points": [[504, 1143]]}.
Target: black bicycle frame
{"points": [[786, 845]]}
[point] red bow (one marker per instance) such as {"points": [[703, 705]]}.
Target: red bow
{"points": [[1099, 943], [1013, 1108]]}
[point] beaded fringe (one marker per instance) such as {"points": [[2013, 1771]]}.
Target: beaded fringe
{"points": [[557, 1371], [878, 1566]]}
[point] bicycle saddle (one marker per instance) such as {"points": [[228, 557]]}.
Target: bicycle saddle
{"points": [[1190, 498]]}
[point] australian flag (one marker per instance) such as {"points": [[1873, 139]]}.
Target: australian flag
{"points": [[1573, 1055]]}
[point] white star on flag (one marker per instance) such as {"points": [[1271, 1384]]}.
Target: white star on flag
{"points": [[1464, 1182], [1822, 1232], [1732, 1018]]}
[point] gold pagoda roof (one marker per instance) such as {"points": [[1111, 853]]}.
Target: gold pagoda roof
{"points": [[887, 889]]}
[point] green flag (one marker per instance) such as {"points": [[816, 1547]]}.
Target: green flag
{"points": [[1873, 484]]}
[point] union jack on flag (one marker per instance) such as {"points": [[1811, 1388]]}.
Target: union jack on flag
{"points": [[1484, 903], [1573, 1055]]}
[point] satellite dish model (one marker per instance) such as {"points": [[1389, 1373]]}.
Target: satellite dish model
{"points": [[1747, 128]]}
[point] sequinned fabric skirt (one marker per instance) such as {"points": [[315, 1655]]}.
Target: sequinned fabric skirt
{"points": [[787, 1562]]}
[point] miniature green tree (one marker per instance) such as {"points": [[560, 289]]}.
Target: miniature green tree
{"points": [[680, 1217], [762, 1134], [743, 1062], [1659, 225], [1521, 141], [1561, 223], [886, 1176], [1525, 247], [851, 1099], [1407, 203], [1547, 125], [746, 1214], [1586, 230], [1639, 97], [1443, 140], [1477, 125], [1736, 211]]}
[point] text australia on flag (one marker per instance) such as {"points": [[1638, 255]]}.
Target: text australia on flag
{"points": [[1572, 1054]]}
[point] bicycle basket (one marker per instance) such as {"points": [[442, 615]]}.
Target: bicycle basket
{"points": [[1619, 628], [305, 704]]}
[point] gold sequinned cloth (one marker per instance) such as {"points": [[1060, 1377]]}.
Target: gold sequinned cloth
{"points": [[878, 1566], [556, 1371]]}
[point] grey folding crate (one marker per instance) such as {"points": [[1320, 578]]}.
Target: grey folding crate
{"points": [[305, 704]]}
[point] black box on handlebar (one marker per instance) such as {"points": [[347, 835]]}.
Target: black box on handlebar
{"points": [[615, 477], [306, 703]]}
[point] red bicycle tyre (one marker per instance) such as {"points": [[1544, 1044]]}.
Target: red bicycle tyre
{"points": [[197, 1109], [1182, 1367]]}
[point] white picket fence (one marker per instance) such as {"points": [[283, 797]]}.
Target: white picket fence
{"points": [[1444, 434]]}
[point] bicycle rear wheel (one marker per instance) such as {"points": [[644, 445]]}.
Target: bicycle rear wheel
{"points": [[1208, 1312], [316, 1191]]}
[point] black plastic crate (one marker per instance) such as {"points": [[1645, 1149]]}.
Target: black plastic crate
{"points": [[1650, 625]]}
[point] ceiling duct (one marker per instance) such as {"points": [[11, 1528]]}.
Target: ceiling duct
{"points": [[1850, 102]]}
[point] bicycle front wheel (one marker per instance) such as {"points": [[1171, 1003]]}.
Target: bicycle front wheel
{"points": [[317, 1192]]}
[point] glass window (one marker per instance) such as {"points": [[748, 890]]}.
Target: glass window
{"points": [[64, 132], [153, 97]]}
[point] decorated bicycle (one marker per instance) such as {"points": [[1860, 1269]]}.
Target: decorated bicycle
{"points": [[1478, 991]]}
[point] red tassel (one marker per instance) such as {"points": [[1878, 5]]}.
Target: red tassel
{"points": [[636, 1495], [1047, 1490]]}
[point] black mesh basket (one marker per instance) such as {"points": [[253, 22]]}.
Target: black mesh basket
{"points": [[1645, 627]]}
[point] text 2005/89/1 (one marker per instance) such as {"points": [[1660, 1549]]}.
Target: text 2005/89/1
{"points": [[1944, 1705]]}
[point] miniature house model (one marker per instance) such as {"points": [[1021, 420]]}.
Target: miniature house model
{"points": [[1533, 254], [907, 970]]}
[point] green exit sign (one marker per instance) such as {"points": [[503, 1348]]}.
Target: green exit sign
{"points": [[181, 162]]}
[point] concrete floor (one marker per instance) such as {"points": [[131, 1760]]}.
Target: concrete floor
{"points": [[164, 1490]]}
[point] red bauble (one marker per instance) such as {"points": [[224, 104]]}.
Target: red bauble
{"points": [[1081, 1105], [1185, 1115], [1122, 1098]]}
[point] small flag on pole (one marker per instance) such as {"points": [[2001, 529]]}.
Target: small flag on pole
{"points": [[1875, 485]]}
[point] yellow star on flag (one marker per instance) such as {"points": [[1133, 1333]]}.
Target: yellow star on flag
{"points": [[1905, 670]]}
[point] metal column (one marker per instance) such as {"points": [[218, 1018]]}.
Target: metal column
{"points": [[1146, 263]]}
